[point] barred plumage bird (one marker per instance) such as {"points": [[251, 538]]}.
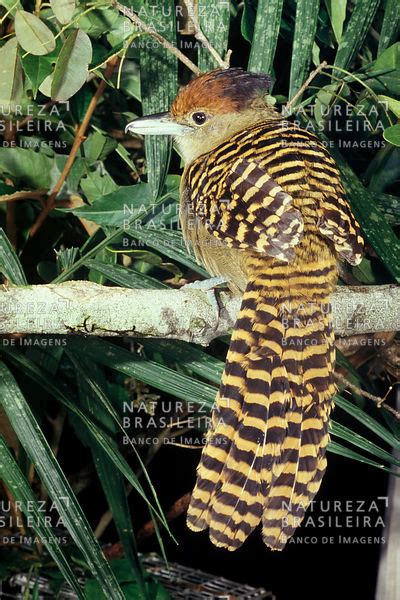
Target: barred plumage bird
{"points": [[262, 206]]}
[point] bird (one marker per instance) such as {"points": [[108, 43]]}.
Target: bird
{"points": [[262, 206]]}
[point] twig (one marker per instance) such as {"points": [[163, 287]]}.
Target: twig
{"points": [[199, 35], [178, 507], [23, 195], [11, 226], [79, 138], [312, 75], [165, 43], [376, 399]]}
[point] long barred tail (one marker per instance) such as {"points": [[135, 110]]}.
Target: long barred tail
{"points": [[265, 452]]}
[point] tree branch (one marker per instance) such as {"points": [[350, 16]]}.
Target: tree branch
{"points": [[187, 314]]}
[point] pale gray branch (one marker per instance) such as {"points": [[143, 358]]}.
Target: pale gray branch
{"points": [[187, 314]]}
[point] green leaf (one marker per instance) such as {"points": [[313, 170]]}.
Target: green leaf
{"points": [[168, 242], [355, 33], [15, 481], [367, 421], [33, 35], [37, 68], [336, 448], [358, 440], [63, 10], [304, 34], [337, 14], [98, 146], [383, 74], [392, 134], [125, 277], [391, 103], [26, 167], [214, 20], [158, 79], [149, 372], [11, 5], [265, 35], [50, 472], [111, 479], [116, 208], [71, 68], [63, 395], [11, 82], [97, 183], [10, 266], [390, 25]]}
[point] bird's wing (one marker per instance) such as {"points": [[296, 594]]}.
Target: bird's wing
{"points": [[247, 208], [337, 223], [335, 220]]}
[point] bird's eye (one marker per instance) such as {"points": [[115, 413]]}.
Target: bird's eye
{"points": [[199, 118]]}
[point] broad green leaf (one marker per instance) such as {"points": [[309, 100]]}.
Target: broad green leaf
{"points": [[52, 476], [390, 25], [10, 266], [392, 134], [19, 487], [33, 35], [116, 208], [265, 35], [304, 34], [11, 81], [26, 167], [97, 183], [158, 80], [71, 68], [383, 74], [98, 146], [37, 68], [337, 14], [214, 20], [109, 239], [355, 32], [99, 22], [63, 9]]}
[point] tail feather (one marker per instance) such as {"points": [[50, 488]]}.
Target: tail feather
{"points": [[239, 501], [265, 453]]}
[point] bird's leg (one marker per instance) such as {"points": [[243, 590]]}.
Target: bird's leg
{"points": [[210, 286]]}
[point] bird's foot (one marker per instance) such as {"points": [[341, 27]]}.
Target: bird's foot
{"points": [[206, 285], [211, 287]]}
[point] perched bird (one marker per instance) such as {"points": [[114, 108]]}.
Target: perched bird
{"points": [[262, 206]]}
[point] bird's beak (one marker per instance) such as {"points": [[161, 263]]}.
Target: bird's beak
{"points": [[159, 124]]}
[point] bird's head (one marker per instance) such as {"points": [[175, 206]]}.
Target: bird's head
{"points": [[210, 109]]}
